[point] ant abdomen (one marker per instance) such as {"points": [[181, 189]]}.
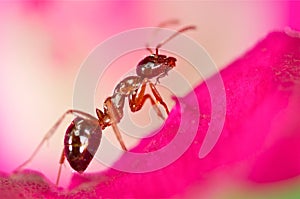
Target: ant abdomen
{"points": [[81, 142]]}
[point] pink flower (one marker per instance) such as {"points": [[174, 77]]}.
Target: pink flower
{"points": [[259, 141]]}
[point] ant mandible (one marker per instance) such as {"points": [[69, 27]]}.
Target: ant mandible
{"points": [[82, 137]]}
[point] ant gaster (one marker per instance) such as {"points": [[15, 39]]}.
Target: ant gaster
{"points": [[82, 137]]}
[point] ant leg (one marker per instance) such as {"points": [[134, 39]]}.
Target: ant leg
{"points": [[158, 97], [114, 125], [160, 76], [137, 100], [53, 130], [118, 135], [141, 102], [61, 161]]}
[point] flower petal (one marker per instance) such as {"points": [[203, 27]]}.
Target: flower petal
{"points": [[261, 132]]}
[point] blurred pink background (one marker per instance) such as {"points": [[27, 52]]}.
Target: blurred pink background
{"points": [[43, 44]]}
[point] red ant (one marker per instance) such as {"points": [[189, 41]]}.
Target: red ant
{"points": [[82, 137]]}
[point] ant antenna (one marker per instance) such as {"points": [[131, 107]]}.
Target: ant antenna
{"points": [[161, 25], [174, 35], [168, 23]]}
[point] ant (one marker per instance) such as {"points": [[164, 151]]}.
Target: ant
{"points": [[82, 137]]}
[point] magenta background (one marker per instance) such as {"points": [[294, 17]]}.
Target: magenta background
{"points": [[42, 45]]}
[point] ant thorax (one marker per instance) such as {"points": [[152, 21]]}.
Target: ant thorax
{"points": [[127, 85], [124, 88]]}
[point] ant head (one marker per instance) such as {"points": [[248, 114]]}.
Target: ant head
{"points": [[171, 62], [159, 59], [163, 59], [155, 65]]}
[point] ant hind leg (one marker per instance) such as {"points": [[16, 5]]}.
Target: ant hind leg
{"points": [[61, 161], [53, 129]]}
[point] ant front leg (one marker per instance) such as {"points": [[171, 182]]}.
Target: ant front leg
{"points": [[51, 132], [158, 97], [159, 77], [137, 100]]}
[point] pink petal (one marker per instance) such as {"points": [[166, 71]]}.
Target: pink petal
{"points": [[261, 132]]}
